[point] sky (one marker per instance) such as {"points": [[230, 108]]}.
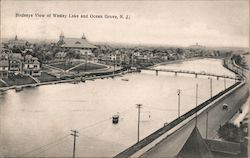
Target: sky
{"points": [[181, 23]]}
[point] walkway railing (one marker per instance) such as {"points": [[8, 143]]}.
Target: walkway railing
{"points": [[149, 139], [189, 72], [138, 146]]}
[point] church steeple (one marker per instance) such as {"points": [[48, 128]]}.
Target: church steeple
{"points": [[16, 38]]}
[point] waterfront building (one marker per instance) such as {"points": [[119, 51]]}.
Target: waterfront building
{"points": [[81, 44], [125, 59], [4, 67], [31, 66], [15, 62]]}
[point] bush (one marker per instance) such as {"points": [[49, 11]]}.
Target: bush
{"points": [[229, 132]]}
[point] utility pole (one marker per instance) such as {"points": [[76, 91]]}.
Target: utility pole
{"points": [[114, 65], [179, 95], [74, 134], [242, 71], [235, 77], [211, 87], [139, 106], [206, 124], [196, 103], [225, 86]]}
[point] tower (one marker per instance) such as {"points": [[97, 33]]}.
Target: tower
{"points": [[16, 38], [61, 36], [83, 36]]}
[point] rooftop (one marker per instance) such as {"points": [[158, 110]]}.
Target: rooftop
{"points": [[75, 43], [195, 147]]}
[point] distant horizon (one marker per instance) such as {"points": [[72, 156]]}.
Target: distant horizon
{"points": [[172, 23], [54, 40]]}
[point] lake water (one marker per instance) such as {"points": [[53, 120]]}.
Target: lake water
{"points": [[37, 121]]}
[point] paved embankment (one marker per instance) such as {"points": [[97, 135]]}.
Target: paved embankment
{"points": [[208, 121], [167, 141], [171, 145], [184, 121]]}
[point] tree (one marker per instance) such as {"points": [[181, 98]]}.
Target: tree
{"points": [[229, 132]]}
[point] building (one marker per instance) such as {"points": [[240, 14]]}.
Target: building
{"points": [[15, 62], [31, 66], [4, 52], [60, 55], [81, 44], [197, 147], [4, 67]]}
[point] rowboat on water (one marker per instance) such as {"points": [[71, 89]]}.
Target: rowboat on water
{"points": [[125, 79]]}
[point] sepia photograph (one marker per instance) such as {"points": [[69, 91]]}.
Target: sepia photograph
{"points": [[127, 78]]}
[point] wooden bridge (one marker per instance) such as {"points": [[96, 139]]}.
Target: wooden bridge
{"points": [[192, 72]]}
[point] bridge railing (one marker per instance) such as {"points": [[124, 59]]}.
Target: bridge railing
{"points": [[191, 72], [147, 140]]}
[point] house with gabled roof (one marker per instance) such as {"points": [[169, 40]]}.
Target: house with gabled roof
{"points": [[15, 62], [31, 66], [4, 67]]}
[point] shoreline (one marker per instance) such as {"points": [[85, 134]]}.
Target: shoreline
{"points": [[183, 60], [108, 74], [73, 80]]}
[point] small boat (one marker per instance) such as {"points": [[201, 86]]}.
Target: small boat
{"points": [[125, 79], [75, 82], [115, 119], [19, 88]]}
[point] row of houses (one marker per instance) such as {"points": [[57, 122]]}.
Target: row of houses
{"points": [[18, 63]]}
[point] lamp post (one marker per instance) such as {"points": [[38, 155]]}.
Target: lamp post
{"points": [[196, 104], [206, 124]]}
